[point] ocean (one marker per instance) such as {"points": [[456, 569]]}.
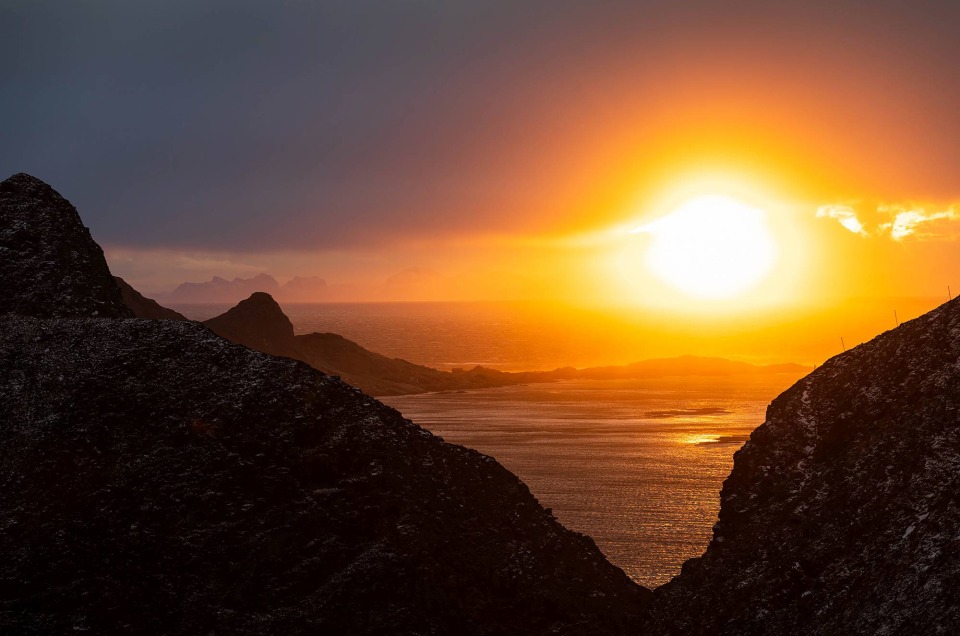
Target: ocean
{"points": [[637, 465]]}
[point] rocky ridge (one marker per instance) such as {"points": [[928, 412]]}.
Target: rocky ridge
{"points": [[50, 266], [155, 477], [842, 513]]}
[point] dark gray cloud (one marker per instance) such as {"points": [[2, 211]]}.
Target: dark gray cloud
{"points": [[252, 125]]}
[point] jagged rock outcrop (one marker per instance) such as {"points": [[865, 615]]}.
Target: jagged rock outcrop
{"points": [[143, 307], [49, 264], [156, 478], [842, 513]]}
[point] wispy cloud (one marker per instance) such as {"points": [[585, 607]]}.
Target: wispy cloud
{"points": [[914, 221], [845, 215], [894, 221]]}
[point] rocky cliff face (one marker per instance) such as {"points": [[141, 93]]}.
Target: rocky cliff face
{"points": [[842, 513], [50, 266], [155, 478]]}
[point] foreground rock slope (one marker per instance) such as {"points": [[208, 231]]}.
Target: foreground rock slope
{"points": [[156, 478], [842, 513]]}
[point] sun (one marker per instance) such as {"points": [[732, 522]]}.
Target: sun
{"points": [[711, 247]]}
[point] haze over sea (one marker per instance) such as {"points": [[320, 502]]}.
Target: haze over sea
{"points": [[637, 465]]}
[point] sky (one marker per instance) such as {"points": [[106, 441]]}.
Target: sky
{"points": [[494, 149]]}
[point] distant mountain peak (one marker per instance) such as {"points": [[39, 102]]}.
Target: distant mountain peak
{"points": [[259, 323], [51, 267], [258, 298], [221, 290]]}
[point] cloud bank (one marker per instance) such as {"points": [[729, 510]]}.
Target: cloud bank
{"points": [[894, 221]]}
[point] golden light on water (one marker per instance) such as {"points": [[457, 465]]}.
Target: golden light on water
{"points": [[701, 438]]}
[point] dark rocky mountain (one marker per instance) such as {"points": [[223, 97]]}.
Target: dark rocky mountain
{"points": [[143, 307], [155, 478], [258, 323], [50, 266], [842, 513]]}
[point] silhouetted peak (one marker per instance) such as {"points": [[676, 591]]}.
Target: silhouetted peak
{"points": [[23, 181], [259, 323], [260, 298], [51, 266]]}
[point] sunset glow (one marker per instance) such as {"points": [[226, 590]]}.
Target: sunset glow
{"points": [[642, 175], [711, 247]]}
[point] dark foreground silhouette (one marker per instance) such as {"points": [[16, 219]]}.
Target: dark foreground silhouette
{"points": [[155, 477]]}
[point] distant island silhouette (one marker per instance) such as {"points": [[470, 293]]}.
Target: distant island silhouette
{"points": [[258, 322], [221, 290]]}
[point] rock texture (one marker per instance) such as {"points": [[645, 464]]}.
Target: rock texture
{"points": [[842, 513], [155, 478], [143, 307], [50, 266]]}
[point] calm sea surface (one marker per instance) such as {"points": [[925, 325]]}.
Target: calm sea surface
{"points": [[637, 465]]}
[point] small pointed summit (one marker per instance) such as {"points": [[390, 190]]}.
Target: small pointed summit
{"points": [[50, 266], [259, 323]]}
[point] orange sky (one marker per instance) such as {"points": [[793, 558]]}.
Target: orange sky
{"points": [[504, 150]]}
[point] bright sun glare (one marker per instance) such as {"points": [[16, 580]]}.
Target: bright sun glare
{"points": [[711, 247]]}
